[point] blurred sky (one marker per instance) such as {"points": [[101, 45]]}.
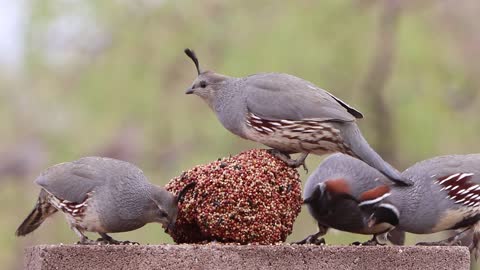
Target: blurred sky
{"points": [[13, 22]]}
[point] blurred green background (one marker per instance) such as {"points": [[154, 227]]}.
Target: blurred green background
{"points": [[85, 77]]}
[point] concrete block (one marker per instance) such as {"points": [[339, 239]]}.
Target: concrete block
{"points": [[218, 256]]}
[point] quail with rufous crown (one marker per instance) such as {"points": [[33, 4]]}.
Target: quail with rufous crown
{"points": [[332, 194], [445, 196]]}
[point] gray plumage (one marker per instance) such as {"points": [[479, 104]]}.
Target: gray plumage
{"points": [[445, 196], [100, 195], [287, 113], [332, 194]]}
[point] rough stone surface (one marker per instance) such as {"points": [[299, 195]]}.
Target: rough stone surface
{"points": [[217, 256]]}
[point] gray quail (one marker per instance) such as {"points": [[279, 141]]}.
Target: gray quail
{"points": [[445, 196], [101, 195], [287, 113]]}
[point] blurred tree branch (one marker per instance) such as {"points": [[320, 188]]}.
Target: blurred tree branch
{"points": [[377, 77]]}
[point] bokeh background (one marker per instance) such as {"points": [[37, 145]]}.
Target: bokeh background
{"points": [[87, 77]]}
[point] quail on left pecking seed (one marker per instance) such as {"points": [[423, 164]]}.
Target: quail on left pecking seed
{"points": [[332, 194], [287, 113], [445, 196], [101, 195]]}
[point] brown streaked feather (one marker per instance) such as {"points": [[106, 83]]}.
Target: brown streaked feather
{"points": [[374, 193], [337, 186]]}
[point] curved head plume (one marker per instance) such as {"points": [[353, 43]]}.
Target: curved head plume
{"points": [[193, 56]]}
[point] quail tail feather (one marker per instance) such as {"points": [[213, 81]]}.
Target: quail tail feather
{"points": [[360, 147], [40, 212]]}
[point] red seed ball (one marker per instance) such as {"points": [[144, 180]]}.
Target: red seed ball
{"points": [[252, 197]]}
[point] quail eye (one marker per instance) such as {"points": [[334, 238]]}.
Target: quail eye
{"points": [[162, 213], [203, 84]]}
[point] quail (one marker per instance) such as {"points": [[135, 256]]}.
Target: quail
{"points": [[101, 195], [332, 194], [288, 114], [445, 196]]}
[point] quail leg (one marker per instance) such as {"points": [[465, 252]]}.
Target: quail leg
{"points": [[107, 239], [83, 238], [294, 163], [374, 241], [371, 242], [313, 239], [474, 247]]}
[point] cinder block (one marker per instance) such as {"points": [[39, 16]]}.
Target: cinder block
{"points": [[218, 256]]}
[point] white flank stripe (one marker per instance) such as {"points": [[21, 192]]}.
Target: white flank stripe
{"points": [[469, 195], [254, 116], [477, 204], [473, 187], [464, 175], [472, 203], [298, 129], [287, 122], [275, 123], [267, 129], [474, 197], [459, 201], [258, 129], [450, 177], [461, 191], [79, 205], [478, 188], [374, 200], [455, 187], [448, 187]]}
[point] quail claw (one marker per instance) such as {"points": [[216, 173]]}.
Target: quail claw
{"points": [[86, 241], [311, 239], [294, 163]]}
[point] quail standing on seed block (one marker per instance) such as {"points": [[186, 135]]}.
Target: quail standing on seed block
{"points": [[445, 196], [287, 113], [101, 195], [332, 194]]}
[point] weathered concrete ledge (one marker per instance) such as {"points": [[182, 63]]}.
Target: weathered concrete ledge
{"points": [[217, 256]]}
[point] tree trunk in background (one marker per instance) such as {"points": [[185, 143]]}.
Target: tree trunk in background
{"points": [[460, 21], [380, 116]]}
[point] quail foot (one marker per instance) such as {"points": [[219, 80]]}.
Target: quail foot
{"points": [[288, 114], [333, 193], [445, 196], [101, 195]]}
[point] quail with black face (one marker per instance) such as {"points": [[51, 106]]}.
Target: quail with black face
{"points": [[445, 196], [333, 192]]}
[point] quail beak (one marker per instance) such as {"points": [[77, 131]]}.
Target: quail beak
{"points": [[189, 91], [170, 227]]}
